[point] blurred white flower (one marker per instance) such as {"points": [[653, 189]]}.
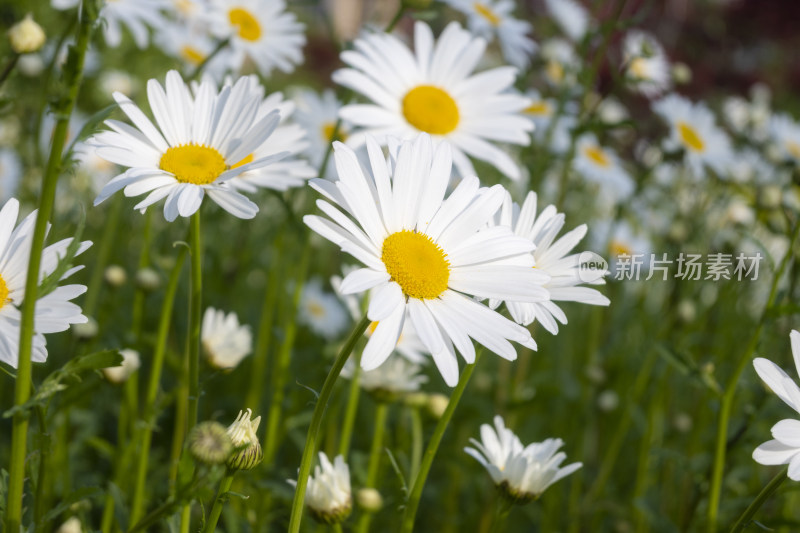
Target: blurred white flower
{"points": [[397, 376], [785, 133], [73, 525], [328, 494], [601, 165], [10, 173], [322, 311], [521, 473], [130, 364], [225, 341], [561, 62], [571, 16], [785, 447], [137, 15], [317, 114], [646, 66]]}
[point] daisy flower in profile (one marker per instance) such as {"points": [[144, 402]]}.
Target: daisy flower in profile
{"points": [[425, 255], [521, 473], [318, 114], [328, 494], [138, 16], [550, 255], [321, 311], [200, 143], [602, 166], [784, 448], [571, 17], [785, 134], [431, 90], [54, 311], [225, 342], [694, 130], [646, 65], [261, 31], [493, 18]]}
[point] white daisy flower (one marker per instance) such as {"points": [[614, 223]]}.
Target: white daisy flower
{"points": [[571, 17], [540, 111], [328, 493], [432, 90], [397, 376], [54, 311], [785, 447], [138, 16], [785, 134], [194, 149], [225, 342], [321, 311], [646, 66], [494, 18], [550, 257], [602, 166], [130, 364], [425, 254], [190, 45], [522, 473], [561, 62], [259, 30], [694, 130], [318, 114]]}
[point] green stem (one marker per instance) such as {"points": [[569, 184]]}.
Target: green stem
{"points": [[316, 421], [730, 392], [351, 410], [502, 510], [146, 426], [416, 443], [337, 527], [199, 68], [24, 371], [144, 261], [104, 250], [42, 485], [397, 16], [433, 446], [219, 501], [195, 315], [12, 61], [762, 497], [374, 461]]}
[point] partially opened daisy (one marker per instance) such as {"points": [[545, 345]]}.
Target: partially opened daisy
{"points": [[694, 130], [261, 31], [785, 447], [433, 90], [551, 256], [426, 255], [200, 143], [54, 311], [494, 18]]}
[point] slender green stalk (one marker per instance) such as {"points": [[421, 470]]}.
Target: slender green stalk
{"points": [[730, 391], [22, 390], [397, 16], [144, 261], [195, 314], [145, 433], [351, 410], [416, 443], [219, 501], [12, 61], [762, 497], [337, 527], [102, 256], [502, 510], [316, 421], [374, 461], [42, 485], [412, 504], [199, 68]]}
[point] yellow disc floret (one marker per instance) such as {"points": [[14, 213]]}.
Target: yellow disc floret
{"points": [[3, 293], [538, 109], [484, 11], [416, 263], [193, 163], [430, 109], [328, 130], [247, 25], [597, 156], [690, 137]]}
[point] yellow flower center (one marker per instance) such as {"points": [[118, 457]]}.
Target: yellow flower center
{"points": [[416, 263], [690, 137], [316, 310], [538, 108], [793, 148], [597, 156], [486, 12], [618, 248], [555, 71], [192, 55], [328, 129], [248, 159], [193, 163], [4, 299], [247, 25], [430, 109], [638, 68]]}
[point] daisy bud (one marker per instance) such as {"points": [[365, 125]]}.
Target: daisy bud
{"points": [[115, 275], [242, 432], [437, 403], [681, 73], [148, 279], [130, 364], [682, 422], [26, 36], [687, 311], [608, 401], [86, 330], [328, 493], [369, 499], [73, 525], [210, 443]]}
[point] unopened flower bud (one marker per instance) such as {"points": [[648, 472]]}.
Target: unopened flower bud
{"points": [[26, 36], [148, 279], [210, 443], [86, 330], [681, 73], [437, 403], [130, 364], [247, 450], [115, 275], [73, 525], [369, 499]]}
